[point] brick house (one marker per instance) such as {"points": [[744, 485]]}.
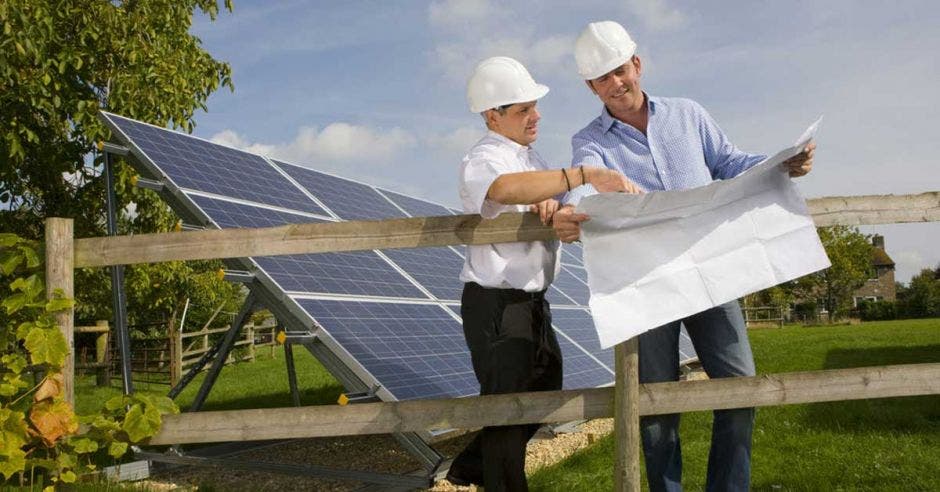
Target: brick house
{"points": [[880, 283]]}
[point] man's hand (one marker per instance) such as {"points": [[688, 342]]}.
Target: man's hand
{"points": [[802, 163], [546, 209], [607, 180], [567, 224]]}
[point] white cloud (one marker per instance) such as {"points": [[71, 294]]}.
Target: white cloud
{"points": [[232, 139], [457, 13], [337, 142], [539, 55], [656, 14], [458, 141]]}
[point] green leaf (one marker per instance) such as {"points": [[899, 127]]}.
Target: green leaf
{"points": [[46, 346], [9, 261], [117, 449], [14, 362], [141, 422], [105, 424], [13, 428], [114, 403], [83, 445], [68, 476], [15, 302], [8, 239], [32, 257], [165, 405], [12, 461], [59, 304]]}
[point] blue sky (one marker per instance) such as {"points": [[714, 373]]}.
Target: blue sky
{"points": [[375, 90]]}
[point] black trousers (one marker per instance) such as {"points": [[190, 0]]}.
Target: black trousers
{"points": [[513, 349]]}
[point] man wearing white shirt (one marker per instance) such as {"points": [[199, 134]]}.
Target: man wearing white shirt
{"points": [[506, 319]]}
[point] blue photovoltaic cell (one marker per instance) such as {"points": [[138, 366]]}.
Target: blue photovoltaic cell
{"points": [[572, 287], [437, 269], [580, 370], [415, 207], [556, 298], [347, 199], [229, 215], [356, 272], [579, 325], [686, 349], [200, 165], [571, 254], [579, 273], [414, 350]]}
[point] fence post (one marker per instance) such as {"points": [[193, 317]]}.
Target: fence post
{"points": [[251, 342], [627, 416], [103, 354], [176, 354], [60, 257]]}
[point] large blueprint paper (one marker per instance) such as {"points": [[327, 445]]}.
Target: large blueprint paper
{"points": [[658, 257]]}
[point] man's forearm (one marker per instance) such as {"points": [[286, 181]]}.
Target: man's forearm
{"points": [[532, 186]]}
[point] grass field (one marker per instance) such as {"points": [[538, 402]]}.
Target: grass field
{"points": [[259, 384], [884, 444]]}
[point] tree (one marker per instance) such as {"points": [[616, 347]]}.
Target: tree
{"points": [[850, 253], [922, 298], [60, 63]]}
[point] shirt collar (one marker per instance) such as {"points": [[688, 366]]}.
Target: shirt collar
{"points": [[512, 144], [608, 121]]}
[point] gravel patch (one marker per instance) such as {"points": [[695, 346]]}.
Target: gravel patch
{"points": [[367, 453]]}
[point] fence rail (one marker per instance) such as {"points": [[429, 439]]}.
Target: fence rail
{"points": [[419, 232], [63, 254]]}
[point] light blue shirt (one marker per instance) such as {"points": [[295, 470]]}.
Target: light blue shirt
{"points": [[683, 148]]}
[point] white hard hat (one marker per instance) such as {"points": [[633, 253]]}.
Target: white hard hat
{"points": [[602, 47], [498, 81]]}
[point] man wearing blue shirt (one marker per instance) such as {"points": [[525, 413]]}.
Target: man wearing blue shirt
{"points": [[667, 144]]}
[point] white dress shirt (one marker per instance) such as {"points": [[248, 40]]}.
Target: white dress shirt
{"points": [[529, 266]]}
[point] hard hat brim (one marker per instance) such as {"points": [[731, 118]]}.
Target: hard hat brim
{"points": [[612, 64], [536, 92]]}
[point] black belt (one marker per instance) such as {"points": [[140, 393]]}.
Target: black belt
{"points": [[511, 294]]}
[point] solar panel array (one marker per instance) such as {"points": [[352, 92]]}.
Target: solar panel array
{"points": [[392, 315]]}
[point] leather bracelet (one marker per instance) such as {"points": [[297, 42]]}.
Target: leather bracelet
{"points": [[567, 182], [583, 182]]}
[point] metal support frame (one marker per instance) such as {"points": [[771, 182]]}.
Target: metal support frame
{"points": [[222, 350], [117, 275], [291, 373]]}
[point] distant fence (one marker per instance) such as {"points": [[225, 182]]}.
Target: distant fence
{"points": [[763, 316], [161, 359], [625, 402]]}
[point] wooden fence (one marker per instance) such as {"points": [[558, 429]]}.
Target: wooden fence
{"points": [[625, 401], [188, 347], [161, 359]]}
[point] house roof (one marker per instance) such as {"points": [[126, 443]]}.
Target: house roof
{"points": [[880, 258]]}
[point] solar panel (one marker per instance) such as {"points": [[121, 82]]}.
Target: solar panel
{"points": [[390, 314], [349, 200], [575, 289], [415, 207], [416, 350], [354, 273], [195, 164], [437, 269]]}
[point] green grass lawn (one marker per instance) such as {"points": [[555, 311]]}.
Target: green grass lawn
{"points": [[258, 384], [883, 444]]}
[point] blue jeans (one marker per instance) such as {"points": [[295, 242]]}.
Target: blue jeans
{"points": [[720, 339]]}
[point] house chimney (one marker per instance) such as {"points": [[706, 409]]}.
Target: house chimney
{"points": [[878, 241]]}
